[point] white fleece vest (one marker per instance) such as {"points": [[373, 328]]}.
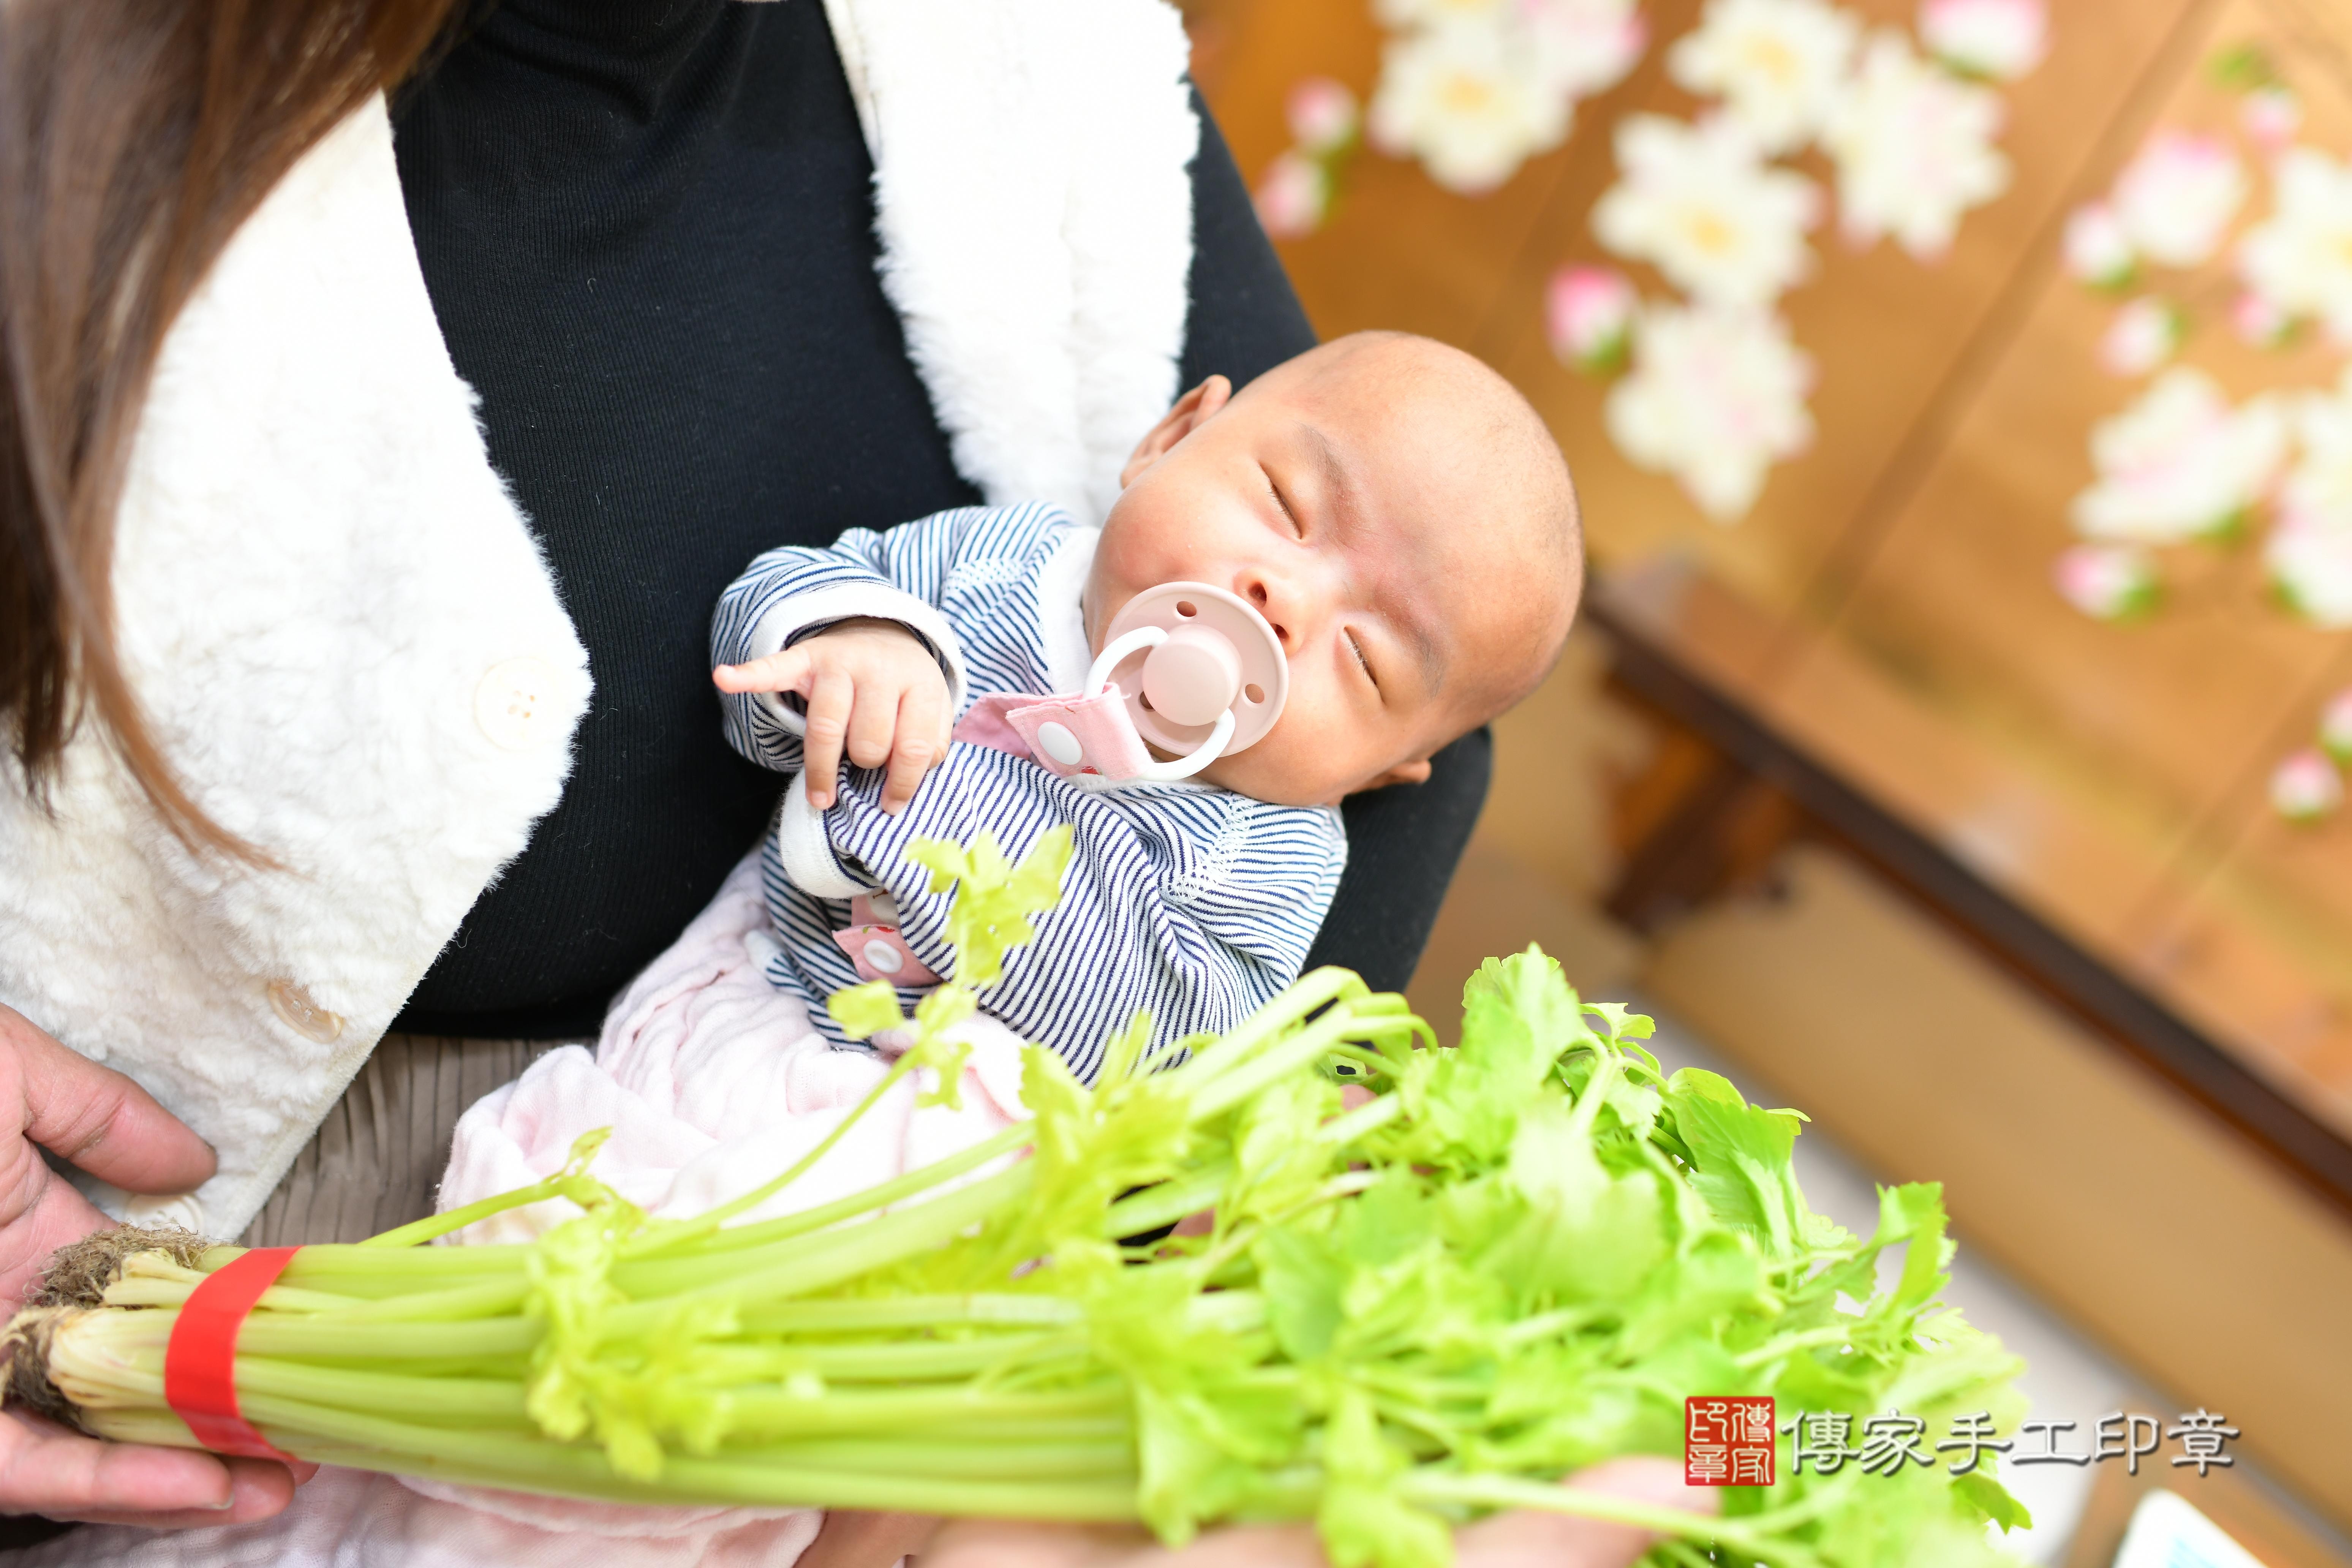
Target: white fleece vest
{"points": [[345, 636]]}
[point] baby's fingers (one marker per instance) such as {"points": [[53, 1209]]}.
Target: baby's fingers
{"points": [[872, 723], [785, 671], [829, 708], [921, 743]]}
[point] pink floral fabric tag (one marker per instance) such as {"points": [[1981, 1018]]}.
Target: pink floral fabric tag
{"points": [[878, 952]]}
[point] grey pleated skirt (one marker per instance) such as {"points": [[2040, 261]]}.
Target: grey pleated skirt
{"points": [[377, 1159]]}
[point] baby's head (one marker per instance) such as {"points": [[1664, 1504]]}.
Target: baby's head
{"points": [[1400, 517]]}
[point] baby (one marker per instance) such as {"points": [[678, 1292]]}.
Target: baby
{"points": [[1393, 511], [1403, 525]]}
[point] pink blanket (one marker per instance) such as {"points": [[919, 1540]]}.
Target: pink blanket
{"points": [[713, 1081]]}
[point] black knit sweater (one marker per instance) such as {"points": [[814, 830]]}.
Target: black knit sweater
{"points": [[647, 229]]}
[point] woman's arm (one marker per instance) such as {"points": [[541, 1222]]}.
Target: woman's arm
{"points": [[1403, 841], [1505, 1541]]}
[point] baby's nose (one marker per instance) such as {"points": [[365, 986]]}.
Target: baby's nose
{"points": [[1271, 597]]}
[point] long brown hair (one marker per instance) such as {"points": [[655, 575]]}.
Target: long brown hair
{"points": [[135, 136]]}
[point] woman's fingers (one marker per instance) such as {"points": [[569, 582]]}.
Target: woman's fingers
{"points": [[1521, 1540], [55, 1216], [1528, 1538], [97, 1118], [258, 1494], [49, 1471], [851, 1540], [50, 1098]]}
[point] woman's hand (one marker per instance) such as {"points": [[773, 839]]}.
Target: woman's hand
{"points": [[1524, 1540], [52, 1099], [873, 689]]}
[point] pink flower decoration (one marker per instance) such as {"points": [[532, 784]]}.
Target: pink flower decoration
{"points": [[2306, 787], [2259, 321], [2107, 582], [1589, 315], [2176, 200], [2335, 727], [1293, 197], [2003, 39], [1323, 115], [2272, 115], [2144, 334], [2098, 251]]}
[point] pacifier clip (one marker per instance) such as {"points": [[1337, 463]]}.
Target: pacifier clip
{"points": [[1188, 667]]}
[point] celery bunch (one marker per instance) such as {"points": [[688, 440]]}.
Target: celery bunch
{"points": [[1412, 1305]]}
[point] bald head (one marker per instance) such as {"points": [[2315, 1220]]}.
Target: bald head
{"points": [[1502, 510], [1402, 521]]}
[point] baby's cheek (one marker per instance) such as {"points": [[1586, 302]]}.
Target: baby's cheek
{"points": [[1286, 769]]}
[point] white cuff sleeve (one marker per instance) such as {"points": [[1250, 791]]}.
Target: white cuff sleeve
{"points": [[806, 853], [790, 618]]}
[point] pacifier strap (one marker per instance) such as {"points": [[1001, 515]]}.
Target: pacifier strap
{"points": [[985, 723], [1071, 737]]}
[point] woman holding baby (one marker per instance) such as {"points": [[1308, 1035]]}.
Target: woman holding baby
{"points": [[392, 388]]}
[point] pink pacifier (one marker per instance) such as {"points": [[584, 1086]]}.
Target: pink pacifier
{"points": [[1202, 672]]}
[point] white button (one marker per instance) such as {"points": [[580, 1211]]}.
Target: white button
{"points": [[884, 957], [301, 1015], [515, 703], [181, 1212], [1060, 744]]}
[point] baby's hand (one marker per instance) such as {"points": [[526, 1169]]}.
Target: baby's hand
{"points": [[871, 687]]}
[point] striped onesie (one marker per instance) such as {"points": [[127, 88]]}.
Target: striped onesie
{"points": [[1188, 900]]}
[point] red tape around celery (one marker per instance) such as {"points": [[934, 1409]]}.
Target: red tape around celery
{"points": [[200, 1364]]}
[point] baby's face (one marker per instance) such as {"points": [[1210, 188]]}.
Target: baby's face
{"points": [[1355, 509]]}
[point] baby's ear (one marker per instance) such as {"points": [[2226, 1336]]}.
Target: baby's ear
{"points": [[1191, 411]]}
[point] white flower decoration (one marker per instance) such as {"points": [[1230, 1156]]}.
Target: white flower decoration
{"points": [[2180, 463], [1716, 397], [1292, 197], [2335, 727], [1323, 115], [1583, 47], [1914, 148], [2108, 582], [2098, 251], [2272, 115], [2317, 491], [2300, 257], [2258, 322], [2143, 335], [2177, 198], [2003, 39], [2311, 564], [1777, 64], [1409, 15], [2306, 787], [1699, 203], [1589, 317], [1466, 100]]}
